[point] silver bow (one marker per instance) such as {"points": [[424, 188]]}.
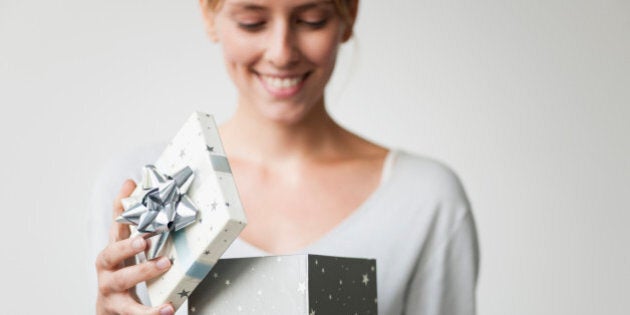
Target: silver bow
{"points": [[162, 207]]}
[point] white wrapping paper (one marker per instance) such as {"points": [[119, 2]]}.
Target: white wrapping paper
{"points": [[195, 249]]}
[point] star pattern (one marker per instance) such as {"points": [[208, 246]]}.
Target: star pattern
{"points": [[365, 279], [188, 148], [301, 287], [183, 294], [330, 288]]}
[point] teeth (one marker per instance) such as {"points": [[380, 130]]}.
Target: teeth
{"points": [[282, 83]]}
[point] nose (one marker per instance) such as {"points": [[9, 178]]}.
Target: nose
{"points": [[282, 50]]}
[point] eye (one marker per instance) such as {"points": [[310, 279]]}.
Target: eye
{"points": [[315, 24], [251, 26]]}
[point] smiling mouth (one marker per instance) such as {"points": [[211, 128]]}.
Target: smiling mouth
{"points": [[282, 83], [283, 86]]}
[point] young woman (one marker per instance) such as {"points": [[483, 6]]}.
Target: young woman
{"points": [[307, 184]]}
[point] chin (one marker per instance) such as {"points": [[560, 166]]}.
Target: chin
{"points": [[286, 114], [287, 118]]}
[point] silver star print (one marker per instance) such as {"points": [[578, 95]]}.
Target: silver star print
{"points": [[365, 279], [301, 287]]}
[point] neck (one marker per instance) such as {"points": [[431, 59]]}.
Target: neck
{"points": [[251, 137]]}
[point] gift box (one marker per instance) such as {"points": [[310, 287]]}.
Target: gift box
{"points": [[210, 202], [296, 284]]}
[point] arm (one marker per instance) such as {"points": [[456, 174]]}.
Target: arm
{"points": [[445, 283]]}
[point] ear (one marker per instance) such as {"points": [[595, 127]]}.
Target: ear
{"points": [[353, 8], [209, 20]]}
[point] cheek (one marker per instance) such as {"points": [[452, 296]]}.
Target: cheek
{"points": [[238, 51], [321, 49]]}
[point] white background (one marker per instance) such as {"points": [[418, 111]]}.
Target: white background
{"points": [[529, 101]]}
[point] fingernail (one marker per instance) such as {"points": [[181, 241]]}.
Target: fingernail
{"points": [[166, 310], [162, 263], [138, 243]]}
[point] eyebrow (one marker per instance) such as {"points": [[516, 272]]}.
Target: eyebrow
{"points": [[247, 6], [252, 6], [313, 4]]}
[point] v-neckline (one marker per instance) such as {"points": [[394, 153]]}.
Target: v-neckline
{"points": [[387, 172]]}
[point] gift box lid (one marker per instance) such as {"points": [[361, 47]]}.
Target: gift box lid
{"points": [[195, 249]]}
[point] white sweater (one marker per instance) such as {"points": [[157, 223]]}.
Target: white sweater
{"points": [[417, 224]]}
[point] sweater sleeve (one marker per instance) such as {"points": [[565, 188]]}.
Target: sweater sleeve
{"points": [[445, 283]]}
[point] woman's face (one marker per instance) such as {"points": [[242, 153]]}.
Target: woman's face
{"points": [[279, 53]]}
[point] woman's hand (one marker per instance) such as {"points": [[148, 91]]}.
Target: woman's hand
{"points": [[115, 281]]}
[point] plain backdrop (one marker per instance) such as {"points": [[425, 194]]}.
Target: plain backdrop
{"points": [[528, 100]]}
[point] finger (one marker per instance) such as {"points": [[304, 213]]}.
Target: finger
{"points": [[125, 304], [121, 231], [127, 188], [128, 277], [115, 253], [166, 309], [118, 232]]}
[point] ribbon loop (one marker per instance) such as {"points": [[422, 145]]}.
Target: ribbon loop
{"points": [[163, 206]]}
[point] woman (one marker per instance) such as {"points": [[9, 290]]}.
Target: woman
{"points": [[309, 185]]}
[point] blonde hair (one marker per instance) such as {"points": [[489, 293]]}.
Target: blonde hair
{"points": [[343, 7]]}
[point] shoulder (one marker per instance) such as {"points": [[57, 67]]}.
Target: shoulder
{"points": [[436, 199], [426, 177]]}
